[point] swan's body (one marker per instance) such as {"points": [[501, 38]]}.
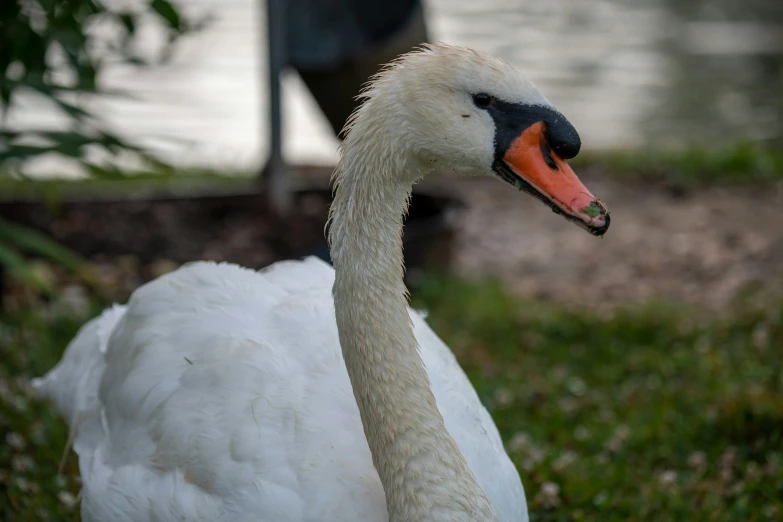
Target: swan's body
{"points": [[224, 394], [225, 397]]}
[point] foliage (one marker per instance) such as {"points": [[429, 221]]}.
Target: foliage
{"points": [[645, 413], [658, 412], [57, 50], [16, 241]]}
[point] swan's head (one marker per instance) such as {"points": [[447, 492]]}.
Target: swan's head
{"points": [[457, 109]]}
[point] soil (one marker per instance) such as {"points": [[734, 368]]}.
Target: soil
{"points": [[699, 246], [137, 237]]}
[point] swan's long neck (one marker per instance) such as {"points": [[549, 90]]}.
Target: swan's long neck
{"points": [[424, 475]]}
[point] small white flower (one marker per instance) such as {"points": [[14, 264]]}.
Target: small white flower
{"points": [[581, 433], [15, 440], [697, 460], [550, 489], [564, 460], [576, 386], [504, 397], [519, 441], [67, 499], [22, 462], [668, 477]]}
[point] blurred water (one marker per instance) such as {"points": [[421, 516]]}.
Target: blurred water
{"points": [[627, 73]]}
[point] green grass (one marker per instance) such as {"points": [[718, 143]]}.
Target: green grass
{"points": [[32, 435], [694, 166], [646, 413]]}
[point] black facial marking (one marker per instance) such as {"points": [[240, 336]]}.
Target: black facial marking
{"points": [[511, 119]]}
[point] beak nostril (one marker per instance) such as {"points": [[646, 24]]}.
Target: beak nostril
{"points": [[546, 151]]}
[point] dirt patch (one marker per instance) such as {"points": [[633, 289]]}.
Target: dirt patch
{"points": [[134, 238], [699, 245]]}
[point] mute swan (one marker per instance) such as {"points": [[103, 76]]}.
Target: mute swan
{"points": [[221, 393]]}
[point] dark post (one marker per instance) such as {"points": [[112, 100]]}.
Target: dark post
{"points": [[276, 183]]}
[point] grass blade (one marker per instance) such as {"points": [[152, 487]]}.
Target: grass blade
{"points": [[37, 243]]}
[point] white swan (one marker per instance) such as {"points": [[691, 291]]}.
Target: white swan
{"points": [[223, 394]]}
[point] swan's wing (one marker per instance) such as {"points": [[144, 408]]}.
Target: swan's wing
{"points": [[72, 385], [471, 426], [224, 397]]}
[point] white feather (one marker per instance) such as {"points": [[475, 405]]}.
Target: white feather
{"points": [[224, 396]]}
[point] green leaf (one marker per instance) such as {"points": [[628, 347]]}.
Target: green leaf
{"points": [[21, 268], [104, 172], [57, 90], [66, 26], [138, 61], [70, 138], [168, 13], [72, 110], [38, 244], [23, 152], [129, 22]]}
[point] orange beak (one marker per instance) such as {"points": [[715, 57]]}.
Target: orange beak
{"points": [[530, 165]]}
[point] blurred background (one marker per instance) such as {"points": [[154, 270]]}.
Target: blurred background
{"points": [[635, 378]]}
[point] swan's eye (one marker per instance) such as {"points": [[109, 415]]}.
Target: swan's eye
{"points": [[483, 100]]}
